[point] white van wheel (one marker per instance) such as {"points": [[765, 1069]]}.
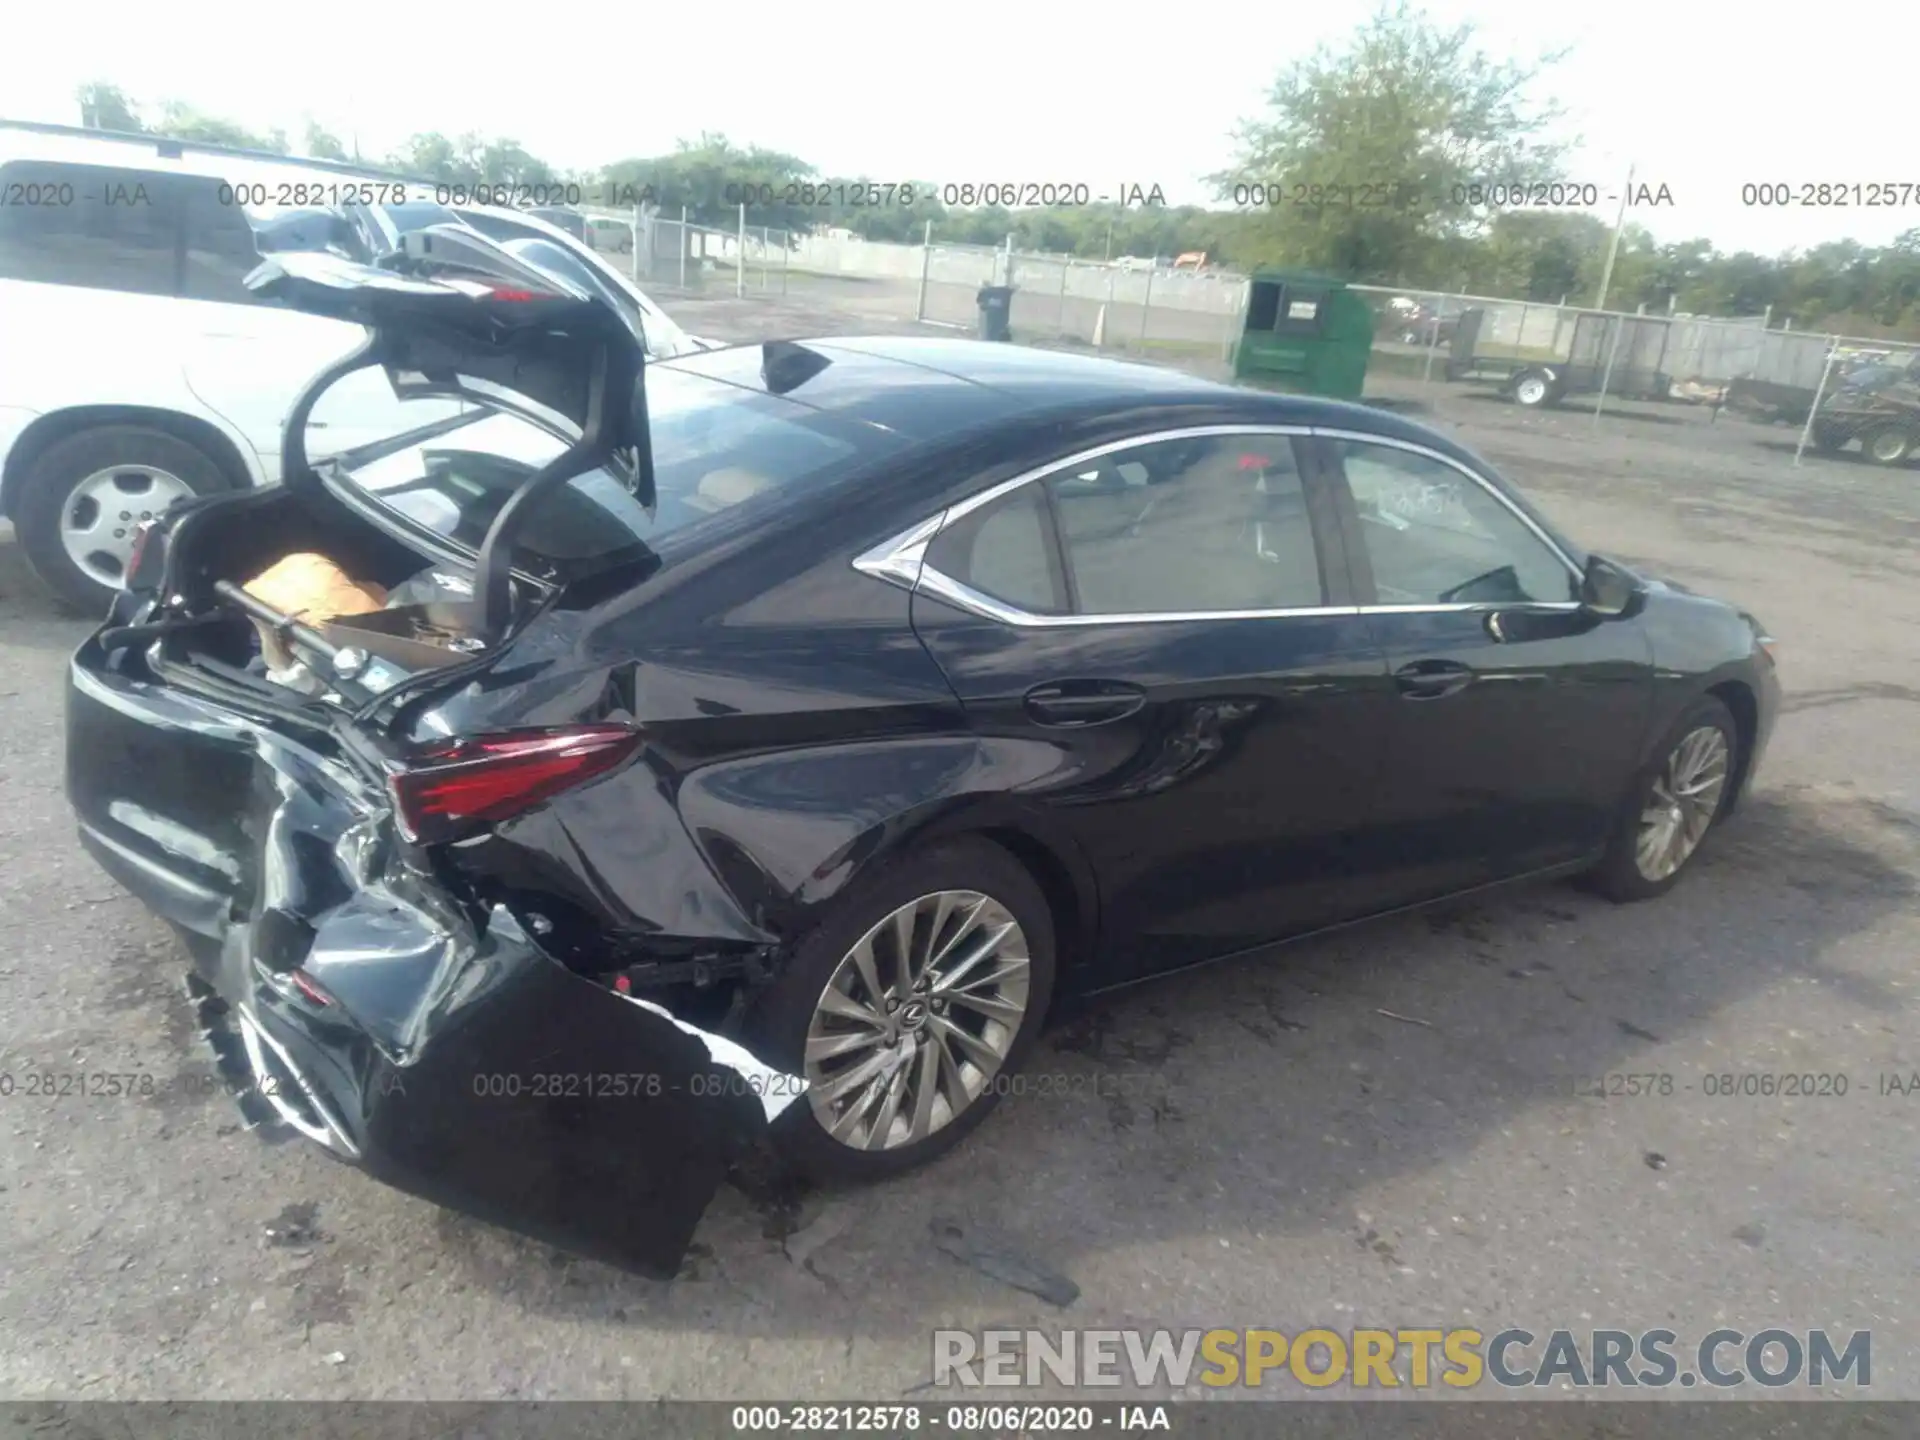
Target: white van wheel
{"points": [[82, 501]]}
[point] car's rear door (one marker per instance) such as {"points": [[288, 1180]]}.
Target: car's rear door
{"points": [[1517, 715], [1159, 636]]}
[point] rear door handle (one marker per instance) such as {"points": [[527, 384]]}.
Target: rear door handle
{"points": [[1432, 679], [1084, 702]]}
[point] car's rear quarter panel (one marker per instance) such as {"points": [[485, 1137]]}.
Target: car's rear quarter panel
{"points": [[798, 734]]}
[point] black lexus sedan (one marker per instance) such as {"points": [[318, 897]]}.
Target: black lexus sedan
{"points": [[755, 744]]}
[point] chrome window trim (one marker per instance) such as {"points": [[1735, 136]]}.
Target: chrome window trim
{"points": [[1545, 607], [1190, 432], [902, 560], [945, 587]]}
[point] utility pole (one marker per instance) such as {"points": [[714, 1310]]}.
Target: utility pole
{"points": [[1613, 245]]}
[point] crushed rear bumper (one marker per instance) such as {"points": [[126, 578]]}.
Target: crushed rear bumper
{"points": [[432, 1043]]}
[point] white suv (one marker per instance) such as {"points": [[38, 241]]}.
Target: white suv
{"points": [[136, 368]]}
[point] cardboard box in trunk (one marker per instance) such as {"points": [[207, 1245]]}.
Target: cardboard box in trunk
{"points": [[309, 588]]}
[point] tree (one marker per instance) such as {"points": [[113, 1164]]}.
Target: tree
{"points": [[182, 122], [322, 145], [506, 162], [432, 156], [471, 160], [1366, 157], [106, 107], [713, 178]]}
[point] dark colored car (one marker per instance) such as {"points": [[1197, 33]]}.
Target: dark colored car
{"points": [[763, 744], [1878, 405]]}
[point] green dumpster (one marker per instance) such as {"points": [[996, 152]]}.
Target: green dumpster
{"points": [[1306, 333]]}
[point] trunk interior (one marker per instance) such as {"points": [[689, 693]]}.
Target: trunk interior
{"points": [[417, 612]]}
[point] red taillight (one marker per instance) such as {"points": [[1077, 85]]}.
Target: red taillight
{"points": [[310, 988], [143, 548], [494, 777], [502, 292]]}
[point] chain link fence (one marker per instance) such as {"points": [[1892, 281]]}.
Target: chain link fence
{"points": [[673, 253], [1538, 352], [1129, 306], [1111, 306], [1602, 355]]}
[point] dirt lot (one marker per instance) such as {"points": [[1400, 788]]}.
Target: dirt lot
{"points": [[1272, 1149]]}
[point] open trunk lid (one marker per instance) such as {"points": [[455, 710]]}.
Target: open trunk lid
{"points": [[453, 315], [552, 383]]}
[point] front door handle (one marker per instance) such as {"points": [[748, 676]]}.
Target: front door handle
{"points": [[1432, 679], [1084, 702]]}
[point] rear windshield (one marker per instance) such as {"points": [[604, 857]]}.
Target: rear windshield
{"points": [[565, 258], [715, 447]]}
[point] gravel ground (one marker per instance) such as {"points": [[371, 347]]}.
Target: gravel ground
{"points": [[1265, 1148]]}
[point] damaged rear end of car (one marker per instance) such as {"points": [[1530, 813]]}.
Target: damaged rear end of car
{"points": [[398, 948]]}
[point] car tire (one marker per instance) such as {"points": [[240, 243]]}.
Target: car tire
{"points": [[142, 469], [1533, 389], [1828, 441], [1624, 874], [794, 1010], [1887, 445]]}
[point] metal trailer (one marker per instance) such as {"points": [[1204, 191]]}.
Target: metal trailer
{"points": [[1624, 353]]}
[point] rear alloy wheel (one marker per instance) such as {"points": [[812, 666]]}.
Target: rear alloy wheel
{"points": [[918, 1020], [1532, 388], [1889, 445], [906, 1012], [84, 499], [1674, 807]]}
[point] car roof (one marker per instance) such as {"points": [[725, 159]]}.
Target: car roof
{"points": [[926, 388]]}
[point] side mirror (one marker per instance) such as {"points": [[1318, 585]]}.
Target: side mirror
{"points": [[1607, 589]]}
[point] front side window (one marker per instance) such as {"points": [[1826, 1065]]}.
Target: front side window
{"points": [[1434, 536]]}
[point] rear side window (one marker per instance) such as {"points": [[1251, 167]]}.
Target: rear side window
{"points": [[134, 231], [1189, 526], [1005, 551], [218, 249], [1200, 525]]}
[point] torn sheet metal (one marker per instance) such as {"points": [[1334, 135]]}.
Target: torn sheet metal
{"points": [[437, 1046]]}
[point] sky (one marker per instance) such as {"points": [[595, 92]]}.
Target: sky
{"points": [[1702, 99]]}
